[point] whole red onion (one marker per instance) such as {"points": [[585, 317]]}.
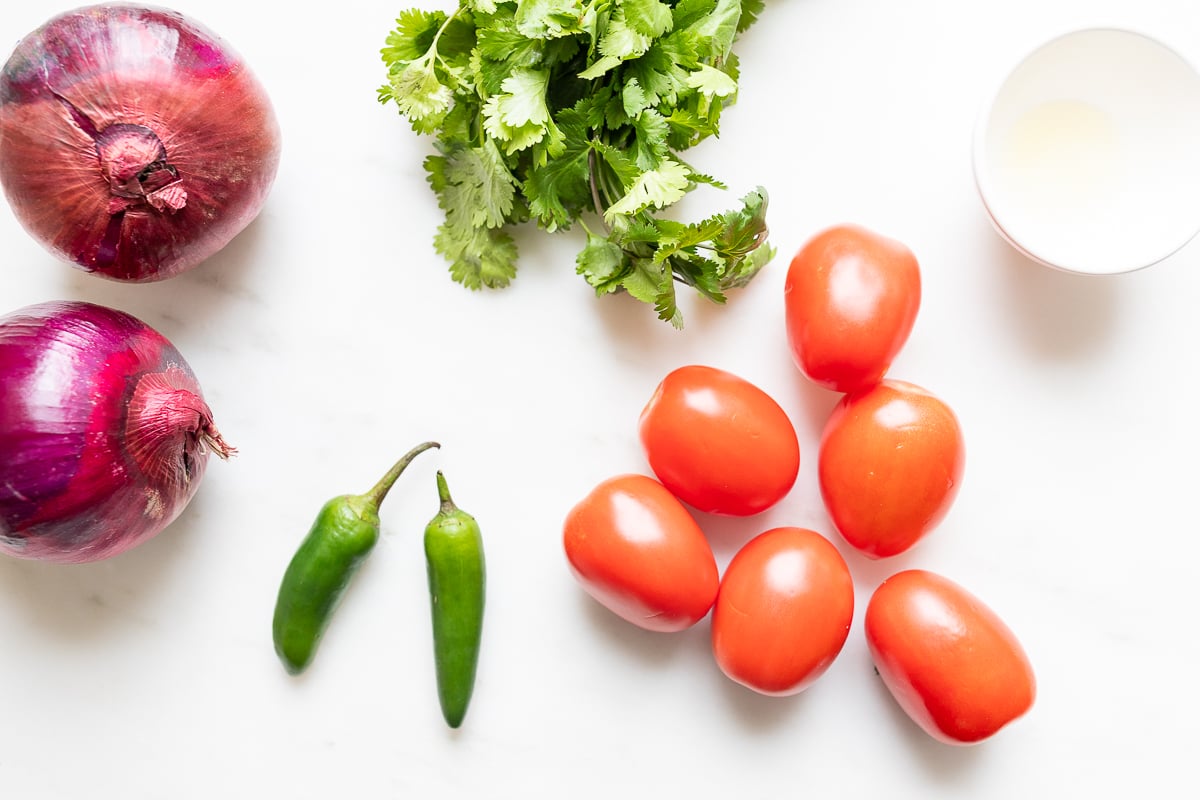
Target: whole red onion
{"points": [[104, 434], [133, 141]]}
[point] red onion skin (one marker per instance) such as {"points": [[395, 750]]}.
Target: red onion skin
{"points": [[104, 433], [107, 65]]}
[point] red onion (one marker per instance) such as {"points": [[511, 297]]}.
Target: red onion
{"points": [[104, 434], [133, 141]]}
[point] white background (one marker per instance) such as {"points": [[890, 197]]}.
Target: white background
{"points": [[329, 339]]}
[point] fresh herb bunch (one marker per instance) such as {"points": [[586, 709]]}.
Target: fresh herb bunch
{"points": [[553, 110]]}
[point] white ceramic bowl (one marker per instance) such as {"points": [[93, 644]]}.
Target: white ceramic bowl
{"points": [[1087, 158]]}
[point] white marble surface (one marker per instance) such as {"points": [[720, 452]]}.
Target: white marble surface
{"points": [[329, 339]]}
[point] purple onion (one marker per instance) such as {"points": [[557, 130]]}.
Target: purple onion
{"points": [[134, 143], [104, 433]]}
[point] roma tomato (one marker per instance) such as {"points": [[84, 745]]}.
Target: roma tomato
{"points": [[718, 442], [851, 297], [890, 464], [635, 548], [949, 661], [783, 611]]}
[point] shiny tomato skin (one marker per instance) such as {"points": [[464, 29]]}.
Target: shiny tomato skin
{"points": [[851, 297], [718, 442], [890, 465], [950, 662], [639, 552], [783, 611]]}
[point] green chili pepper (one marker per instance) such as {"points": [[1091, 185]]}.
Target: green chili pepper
{"points": [[345, 532], [457, 582]]}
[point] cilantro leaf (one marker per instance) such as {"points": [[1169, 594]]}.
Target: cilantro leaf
{"points": [[412, 36], [479, 186], [751, 10], [551, 111], [666, 305], [621, 40], [717, 30], [711, 81], [510, 48], [743, 242], [661, 71], [420, 82], [650, 145], [688, 128], [599, 67], [549, 19], [700, 273], [647, 17], [658, 187], [675, 237], [603, 263], [481, 257], [416, 90], [519, 116], [645, 280], [633, 98], [559, 189], [619, 165]]}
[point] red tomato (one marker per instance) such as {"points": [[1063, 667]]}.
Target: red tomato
{"points": [[949, 661], [851, 297], [890, 465], [638, 551], [783, 611], [718, 442]]}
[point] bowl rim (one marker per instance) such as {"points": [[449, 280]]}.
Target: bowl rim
{"points": [[983, 181]]}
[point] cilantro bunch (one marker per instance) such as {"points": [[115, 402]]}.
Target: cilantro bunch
{"points": [[565, 111]]}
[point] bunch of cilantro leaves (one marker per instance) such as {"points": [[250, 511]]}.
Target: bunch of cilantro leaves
{"points": [[566, 111]]}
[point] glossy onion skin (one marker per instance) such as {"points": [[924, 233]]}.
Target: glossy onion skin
{"points": [[109, 65], [783, 611], [851, 298], [101, 428], [950, 662], [636, 550], [718, 442], [890, 465]]}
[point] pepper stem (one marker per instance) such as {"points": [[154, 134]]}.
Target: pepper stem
{"points": [[448, 506], [379, 491]]}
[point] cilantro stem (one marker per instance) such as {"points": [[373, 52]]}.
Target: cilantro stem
{"points": [[601, 183], [596, 203], [433, 47]]}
